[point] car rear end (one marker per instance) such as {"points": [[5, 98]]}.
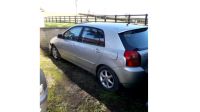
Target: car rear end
{"points": [[135, 56]]}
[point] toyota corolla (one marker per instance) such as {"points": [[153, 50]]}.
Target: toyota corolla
{"points": [[116, 53]]}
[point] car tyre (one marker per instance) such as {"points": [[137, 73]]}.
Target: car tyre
{"points": [[55, 53], [108, 79]]}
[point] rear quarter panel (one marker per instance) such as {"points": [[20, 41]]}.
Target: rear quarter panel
{"points": [[112, 51]]}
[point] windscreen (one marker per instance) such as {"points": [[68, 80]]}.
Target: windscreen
{"points": [[135, 39]]}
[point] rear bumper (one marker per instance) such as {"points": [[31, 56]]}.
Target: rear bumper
{"points": [[129, 76]]}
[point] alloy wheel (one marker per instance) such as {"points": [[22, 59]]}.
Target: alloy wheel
{"points": [[55, 53], [106, 79]]}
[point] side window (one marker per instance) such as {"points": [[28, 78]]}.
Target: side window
{"points": [[101, 37], [73, 34], [93, 36]]}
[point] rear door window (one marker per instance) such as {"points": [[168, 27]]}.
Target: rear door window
{"points": [[135, 39], [93, 36]]}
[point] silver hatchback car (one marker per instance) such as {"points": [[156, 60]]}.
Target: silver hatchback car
{"points": [[117, 53]]}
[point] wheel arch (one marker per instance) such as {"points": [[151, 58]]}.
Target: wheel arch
{"points": [[97, 68], [101, 65], [115, 75]]}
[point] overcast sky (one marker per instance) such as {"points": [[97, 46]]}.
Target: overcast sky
{"points": [[96, 6]]}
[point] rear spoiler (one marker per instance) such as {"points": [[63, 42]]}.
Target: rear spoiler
{"points": [[136, 30]]}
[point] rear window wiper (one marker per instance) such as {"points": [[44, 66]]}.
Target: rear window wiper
{"points": [[139, 49]]}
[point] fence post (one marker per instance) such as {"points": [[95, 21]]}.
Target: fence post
{"points": [[146, 20], [81, 18], [75, 19], [87, 19], [128, 19], [104, 18], [115, 18], [64, 19], [69, 19], [95, 18]]}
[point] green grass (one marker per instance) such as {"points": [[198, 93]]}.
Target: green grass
{"points": [[90, 105], [53, 76], [49, 68], [109, 96], [59, 98], [58, 25]]}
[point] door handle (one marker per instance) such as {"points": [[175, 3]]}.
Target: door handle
{"points": [[97, 51], [72, 44]]}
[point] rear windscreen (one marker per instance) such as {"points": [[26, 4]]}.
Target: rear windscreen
{"points": [[135, 39]]}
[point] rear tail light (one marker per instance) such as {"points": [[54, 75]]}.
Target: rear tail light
{"points": [[133, 58]]}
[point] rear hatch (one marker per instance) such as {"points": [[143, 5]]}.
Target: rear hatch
{"points": [[137, 40]]}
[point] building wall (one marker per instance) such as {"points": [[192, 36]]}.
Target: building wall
{"points": [[47, 33]]}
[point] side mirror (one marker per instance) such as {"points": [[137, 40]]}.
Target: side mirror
{"points": [[60, 36]]}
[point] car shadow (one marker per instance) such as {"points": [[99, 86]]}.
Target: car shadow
{"points": [[125, 100]]}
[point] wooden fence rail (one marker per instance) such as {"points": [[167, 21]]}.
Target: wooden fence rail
{"points": [[136, 19]]}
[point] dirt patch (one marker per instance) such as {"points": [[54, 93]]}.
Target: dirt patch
{"points": [[50, 81]]}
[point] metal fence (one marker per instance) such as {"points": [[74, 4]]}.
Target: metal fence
{"points": [[136, 19]]}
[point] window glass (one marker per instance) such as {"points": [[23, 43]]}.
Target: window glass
{"points": [[93, 36], [73, 34], [135, 39], [101, 37]]}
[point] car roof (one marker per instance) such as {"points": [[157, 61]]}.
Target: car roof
{"points": [[117, 27]]}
